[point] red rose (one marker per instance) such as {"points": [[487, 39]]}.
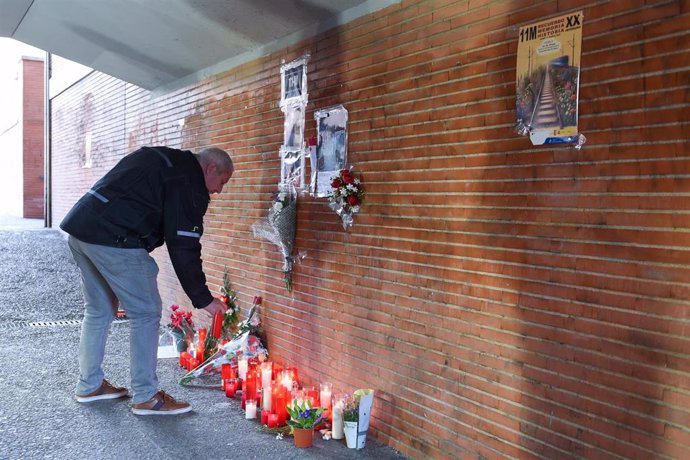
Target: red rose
{"points": [[336, 183], [352, 200], [223, 299], [174, 307], [344, 172], [348, 179]]}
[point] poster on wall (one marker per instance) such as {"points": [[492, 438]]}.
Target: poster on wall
{"points": [[547, 79], [293, 82], [331, 146]]}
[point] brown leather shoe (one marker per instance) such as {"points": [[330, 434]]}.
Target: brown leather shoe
{"points": [[161, 404], [105, 391]]}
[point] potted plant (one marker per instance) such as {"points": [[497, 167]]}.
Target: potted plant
{"points": [[350, 421], [303, 418]]}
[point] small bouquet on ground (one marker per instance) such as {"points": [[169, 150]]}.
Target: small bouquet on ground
{"points": [[243, 343], [181, 327], [351, 411], [351, 422], [280, 226], [346, 196]]}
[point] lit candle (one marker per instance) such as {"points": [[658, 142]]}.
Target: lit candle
{"points": [[230, 389], [250, 411], [294, 375], [273, 420], [250, 386], [287, 380], [225, 374], [242, 367], [266, 374], [281, 408], [267, 398], [277, 371], [312, 395], [325, 395]]}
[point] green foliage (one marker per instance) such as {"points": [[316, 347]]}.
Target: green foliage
{"points": [[229, 297], [304, 415], [351, 412]]}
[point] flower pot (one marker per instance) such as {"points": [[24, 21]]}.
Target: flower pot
{"points": [[350, 429], [304, 437]]}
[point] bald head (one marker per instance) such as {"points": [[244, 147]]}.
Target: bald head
{"points": [[217, 167]]}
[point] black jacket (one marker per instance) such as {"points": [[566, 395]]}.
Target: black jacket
{"points": [[153, 195]]}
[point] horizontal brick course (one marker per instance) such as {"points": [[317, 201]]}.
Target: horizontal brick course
{"points": [[504, 300]]}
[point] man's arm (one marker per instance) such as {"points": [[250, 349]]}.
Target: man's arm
{"points": [[183, 226]]}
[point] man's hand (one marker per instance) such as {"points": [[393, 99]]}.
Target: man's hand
{"points": [[215, 307]]}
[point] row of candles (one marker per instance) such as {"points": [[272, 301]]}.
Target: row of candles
{"points": [[268, 389], [195, 356]]}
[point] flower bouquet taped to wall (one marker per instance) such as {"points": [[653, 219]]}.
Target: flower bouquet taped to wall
{"points": [[279, 228], [346, 196]]}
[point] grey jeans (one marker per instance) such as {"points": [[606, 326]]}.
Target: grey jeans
{"points": [[129, 275]]}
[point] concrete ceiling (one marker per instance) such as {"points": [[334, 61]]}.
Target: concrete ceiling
{"points": [[164, 44]]}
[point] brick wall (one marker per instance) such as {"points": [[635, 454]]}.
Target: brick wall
{"points": [[504, 300], [32, 136]]}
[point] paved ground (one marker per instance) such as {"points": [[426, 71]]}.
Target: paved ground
{"points": [[40, 309]]}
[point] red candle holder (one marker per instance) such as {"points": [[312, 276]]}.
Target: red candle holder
{"points": [[217, 325], [230, 389], [273, 420], [264, 417]]}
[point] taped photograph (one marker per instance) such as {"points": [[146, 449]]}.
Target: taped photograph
{"points": [[331, 147], [293, 78]]}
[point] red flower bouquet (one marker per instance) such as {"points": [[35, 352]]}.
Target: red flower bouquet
{"points": [[346, 196]]}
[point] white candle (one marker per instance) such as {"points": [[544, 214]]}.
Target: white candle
{"points": [[266, 374], [325, 395], [242, 368], [250, 409], [337, 432], [266, 398], [287, 382]]}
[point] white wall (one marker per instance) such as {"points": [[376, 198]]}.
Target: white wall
{"points": [[11, 194]]}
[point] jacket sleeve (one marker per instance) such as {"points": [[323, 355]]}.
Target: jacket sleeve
{"points": [[183, 216]]}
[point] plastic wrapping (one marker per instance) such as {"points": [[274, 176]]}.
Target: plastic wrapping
{"points": [[279, 228], [246, 342], [293, 79], [292, 167], [331, 146]]}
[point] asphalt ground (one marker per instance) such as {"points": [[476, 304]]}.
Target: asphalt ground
{"points": [[40, 314]]}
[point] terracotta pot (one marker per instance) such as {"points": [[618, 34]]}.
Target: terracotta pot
{"points": [[304, 437]]}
